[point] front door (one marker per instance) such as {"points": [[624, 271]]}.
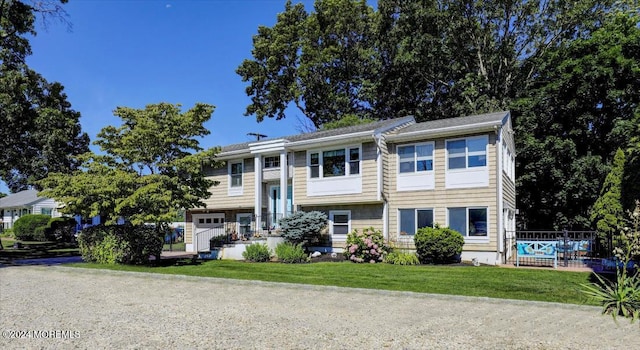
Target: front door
{"points": [[275, 213], [244, 224]]}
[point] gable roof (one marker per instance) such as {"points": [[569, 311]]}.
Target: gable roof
{"points": [[21, 199], [452, 126], [404, 128], [369, 128]]}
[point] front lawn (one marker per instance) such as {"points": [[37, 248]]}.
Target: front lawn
{"points": [[494, 282]]}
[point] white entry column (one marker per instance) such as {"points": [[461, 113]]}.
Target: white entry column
{"points": [[283, 182], [257, 210]]}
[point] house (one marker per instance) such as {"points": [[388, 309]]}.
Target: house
{"points": [[394, 175], [25, 202]]}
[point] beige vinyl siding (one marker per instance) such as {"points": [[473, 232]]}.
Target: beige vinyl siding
{"points": [[386, 158], [368, 172], [188, 228], [362, 216], [220, 198], [509, 191], [441, 198]]}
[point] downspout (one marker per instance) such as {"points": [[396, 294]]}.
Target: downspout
{"points": [[380, 181], [500, 200]]}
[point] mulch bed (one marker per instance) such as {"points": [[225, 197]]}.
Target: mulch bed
{"points": [[326, 257]]}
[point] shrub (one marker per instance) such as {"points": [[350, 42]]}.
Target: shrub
{"points": [[26, 228], [61, 229], [365, 246], [401, 258], [303, 227], [291, 253], [257, 253], [120, 244], [621, 297], [437, 245]]}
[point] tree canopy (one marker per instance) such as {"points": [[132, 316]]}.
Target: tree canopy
{"points": [[40, 131], [151, 167], [568, 71]]}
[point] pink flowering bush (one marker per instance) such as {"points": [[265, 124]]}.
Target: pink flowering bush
{"points": [[366, 246]]}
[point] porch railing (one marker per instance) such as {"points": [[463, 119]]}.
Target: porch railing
{"points": [[203, 238], [243, 229]]}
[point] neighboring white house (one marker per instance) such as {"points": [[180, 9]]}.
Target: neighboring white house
{"points": [[25, 202]]}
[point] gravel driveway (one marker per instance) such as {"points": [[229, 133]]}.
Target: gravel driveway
{"points": [[96, 309]]}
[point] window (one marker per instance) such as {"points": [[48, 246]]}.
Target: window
{"points": [[46, 211], [333, 163], [272, 162], [236, 174], [416, 158], [314, 164], [413, 219], [470, 222], [467, 153], [354, 161], [340, 222]]}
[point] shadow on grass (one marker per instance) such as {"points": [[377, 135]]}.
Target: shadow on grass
{"points": [[38, 250]]}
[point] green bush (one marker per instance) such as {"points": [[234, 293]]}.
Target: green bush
{"points": [[120, 244], [291, 253], [257, 253], [31, 227], [303, 227], [438, 245], [401, 258], [61, 229], [621, 296], [365, 246]]}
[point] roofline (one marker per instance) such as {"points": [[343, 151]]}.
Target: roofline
{"points": [[29, 204], [449, 131], [297, 145]]}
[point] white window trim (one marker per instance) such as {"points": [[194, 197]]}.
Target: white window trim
{"points": [[415, 157], [415, 220], [474, 239], [466, 153], [333, 213], [264, 162], [347, 168], [236, 190]]}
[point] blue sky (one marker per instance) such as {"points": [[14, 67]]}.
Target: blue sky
{"points": [[136, 52]]}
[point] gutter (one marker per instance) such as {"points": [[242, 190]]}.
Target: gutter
{"points": [[330, 139], [377, 137], [447, 131], [499, 195]]}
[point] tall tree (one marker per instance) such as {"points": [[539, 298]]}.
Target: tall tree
{"points": [[40, 131], [151, 167], [446, 58], [572, 119], [568, 71], [323, 63], [607, 213]]}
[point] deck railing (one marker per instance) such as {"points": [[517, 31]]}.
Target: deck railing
{"points": [[572, 248]]}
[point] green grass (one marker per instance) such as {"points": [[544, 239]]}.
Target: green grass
{"points": [[494, 282]]}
